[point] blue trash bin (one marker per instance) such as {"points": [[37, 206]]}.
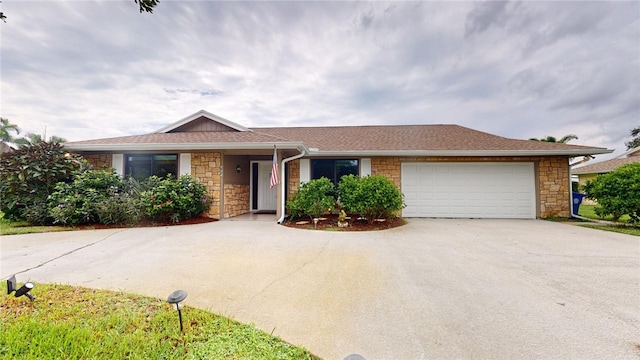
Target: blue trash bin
{"points": [[577, 200]]}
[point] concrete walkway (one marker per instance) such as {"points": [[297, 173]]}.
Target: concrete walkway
{"points": [[499, 289]]}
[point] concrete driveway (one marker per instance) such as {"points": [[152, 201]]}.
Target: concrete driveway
{"points": [[433, 289]]}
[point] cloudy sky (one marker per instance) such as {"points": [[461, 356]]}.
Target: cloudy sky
{"points": [[93, 69]]}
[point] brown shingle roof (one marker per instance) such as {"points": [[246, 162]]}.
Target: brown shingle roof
{"points": [[605, 166], [406, 137], [184, 138], [352, 139]]}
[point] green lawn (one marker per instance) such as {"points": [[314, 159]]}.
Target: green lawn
{"points": [[588, 211], [79, 323], [8, 227], [629, 230]]}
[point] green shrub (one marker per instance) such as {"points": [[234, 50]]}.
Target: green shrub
{"points": [[29, 175], [349, 193], [314, 199], [78, 202], [119, 209], [173, 199], [617, 192], [37, 212], [371, 197]]}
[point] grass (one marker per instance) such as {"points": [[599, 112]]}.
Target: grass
{"points": [[588, 211], [629, 230], [8, 227], [79, 323]]}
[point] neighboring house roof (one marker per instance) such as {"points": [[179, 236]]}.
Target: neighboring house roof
{"points": [[631, 156], [389, 140]]}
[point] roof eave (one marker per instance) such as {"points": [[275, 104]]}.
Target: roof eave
{"points": [[185, 146], [469, 153]]}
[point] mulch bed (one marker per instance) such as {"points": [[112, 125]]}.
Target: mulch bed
{"points": [[330, 223], [195, 220]]}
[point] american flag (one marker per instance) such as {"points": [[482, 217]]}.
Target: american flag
{"points": [[274, 170]]}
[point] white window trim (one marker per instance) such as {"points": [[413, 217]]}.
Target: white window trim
{"points": [[305, 171], [365, 167], [117, 163], [184, 161]]}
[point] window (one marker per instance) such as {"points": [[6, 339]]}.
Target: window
{"points": [[143, 166], [333, 169]]}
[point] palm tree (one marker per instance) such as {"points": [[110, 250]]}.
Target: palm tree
{"points": [[6, 129], [31, 139], [565, 139], [635, 141]]}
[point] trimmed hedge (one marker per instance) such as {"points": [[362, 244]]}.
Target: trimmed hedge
{"points": [[370, 197], [314, 199]]}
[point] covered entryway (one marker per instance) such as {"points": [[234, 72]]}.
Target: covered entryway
{"points": [[469, 190]]}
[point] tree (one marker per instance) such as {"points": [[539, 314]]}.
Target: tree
{"points": [[635, 142], [32, 139], [6, 129], [565, 139], [29, 175], [145, 6], [617, 192]]}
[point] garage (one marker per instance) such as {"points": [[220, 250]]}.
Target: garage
{"points": [[469, 190]]}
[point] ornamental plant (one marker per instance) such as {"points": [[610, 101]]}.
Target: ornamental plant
{"points": [[371, 197], [170, 199], [81, 201], [617, 192], [313, 199], [30, 174]]}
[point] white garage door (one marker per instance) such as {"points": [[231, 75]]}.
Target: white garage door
{"points": [[469, 190]]}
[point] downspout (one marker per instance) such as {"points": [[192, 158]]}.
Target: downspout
{"points": [[282, 183], [571, 198]]}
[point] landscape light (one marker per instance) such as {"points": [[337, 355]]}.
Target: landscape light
{"points": [[24, 289], [11, 284], [176, 298]]}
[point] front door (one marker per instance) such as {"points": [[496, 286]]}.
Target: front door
{"points": [[267, 197]]}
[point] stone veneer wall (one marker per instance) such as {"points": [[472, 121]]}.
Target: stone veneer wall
{"points": [[99, 161], [207, 168], [553, 178], [236, 200], [552, 181], [294, 177]]}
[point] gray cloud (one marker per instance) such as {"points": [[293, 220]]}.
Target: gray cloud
{"points": [[484, 15], [517, 69]]}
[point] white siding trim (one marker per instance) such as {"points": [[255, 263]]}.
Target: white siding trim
{"points": [[117, 163], [305, 171], [365, 166], [185, 164]]}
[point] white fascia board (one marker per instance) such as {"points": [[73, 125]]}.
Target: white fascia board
{"points": [[471, 153], [186, 146], [206, 114]]}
